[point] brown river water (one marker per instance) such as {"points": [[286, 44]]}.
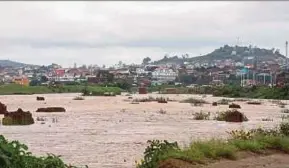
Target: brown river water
{"points": [[108, 132]]}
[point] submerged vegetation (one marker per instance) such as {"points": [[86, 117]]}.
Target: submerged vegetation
{"points": [[231, 116], [202, 115], [163, 153], [194, 101]]}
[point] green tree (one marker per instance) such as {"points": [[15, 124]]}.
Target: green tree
{"points": [[146, 60], [43, 79], [34, 82]]}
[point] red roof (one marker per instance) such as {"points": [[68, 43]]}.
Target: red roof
{"points": [[59, 72]]}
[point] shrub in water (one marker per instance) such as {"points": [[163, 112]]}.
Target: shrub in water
{"points": [[51, 109], [284, 128], [202, 116], [18, 117], [162, 100], [40, 98], [233, 105], [285, 111], [78, 98], [194, 102], [161, 111], [285, 117], [224, 101], [231, 116], [254, 102]]}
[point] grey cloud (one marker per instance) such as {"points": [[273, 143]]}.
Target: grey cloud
{"points": [[105, 32]]}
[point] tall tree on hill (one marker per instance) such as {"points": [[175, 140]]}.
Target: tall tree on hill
{"points": [[146, 60]]}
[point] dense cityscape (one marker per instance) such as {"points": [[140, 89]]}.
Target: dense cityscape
{"points": [[264, 67]]}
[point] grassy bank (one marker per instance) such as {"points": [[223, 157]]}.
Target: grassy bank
{"points": [[15, 155], [11, 89], [199, 152], [259, 92]]}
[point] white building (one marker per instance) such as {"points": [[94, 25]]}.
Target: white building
{"points": [[141, 72], [164, 74]]}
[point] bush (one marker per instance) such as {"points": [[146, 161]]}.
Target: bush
{"points": [[152, 99], [231, 116], [278, 102], [233, 105], [51, 109], [40, 98], [78, 98], [155, 151], [284, 128], [241, 134], [161, 111], [202, 116], [15, 155], [241, 99], [169, 155], [254, 102], [285, 111], [224, 101], [162, 100], [267, 119], [194, 101], [18, 117], [214, 104], [285, 117]]}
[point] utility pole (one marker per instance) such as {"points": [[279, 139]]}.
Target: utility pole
{"points": [[286, 54]]}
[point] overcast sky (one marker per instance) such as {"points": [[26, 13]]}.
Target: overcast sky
{"points": [[107, 32]]}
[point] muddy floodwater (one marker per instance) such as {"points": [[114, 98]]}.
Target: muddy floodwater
{"points": [[104, 132]]}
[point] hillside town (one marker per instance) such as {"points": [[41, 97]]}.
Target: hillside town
{"points": [[246, 71]]}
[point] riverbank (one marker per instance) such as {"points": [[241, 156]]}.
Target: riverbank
{"points": [[241, 144], [14, 89]]}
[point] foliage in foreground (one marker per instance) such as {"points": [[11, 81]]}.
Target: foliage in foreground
{"points": [[15, 155], [256, 140]]}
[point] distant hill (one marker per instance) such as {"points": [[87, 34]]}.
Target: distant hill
{"points": [[8, 63], [236, 53]]}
